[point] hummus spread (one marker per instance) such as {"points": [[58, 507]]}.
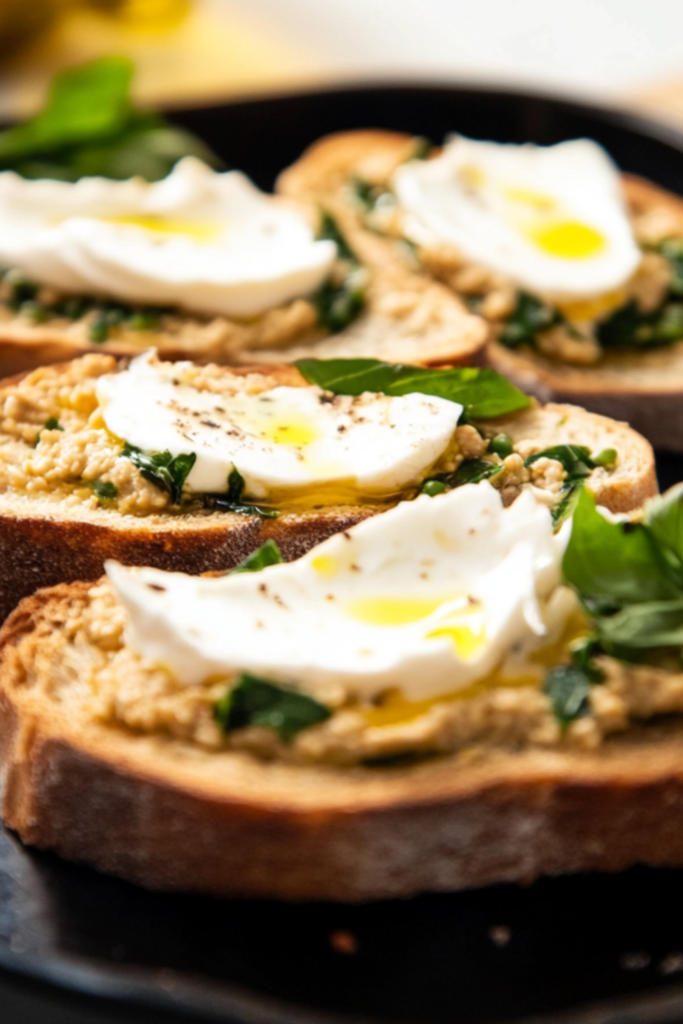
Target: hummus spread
{"points": [[54, 444], [86, 663]]}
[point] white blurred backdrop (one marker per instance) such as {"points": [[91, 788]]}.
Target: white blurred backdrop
{"points": [[203, 50]]}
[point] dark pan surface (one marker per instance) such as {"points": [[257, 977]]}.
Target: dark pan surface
{"points": [[585, 949]]}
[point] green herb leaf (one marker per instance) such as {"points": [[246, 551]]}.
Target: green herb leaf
{"points": [[647, 625], [235, 485], [222, 504], [338, 305], [575, 458], [84, 103], [628, 327], [89, 127], [483, 393], [168, 472], [583, 652], [567, 687], [329, 231], [268, 554], [664, 518], [104, 490], [613, 564], [564, 508], [473, 471], [339, 302], [232, 500], [50, 424], [529, 317], [254, 701]]}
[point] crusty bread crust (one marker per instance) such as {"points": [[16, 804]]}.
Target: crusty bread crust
{"points": [[40, 547], [167, 815], [644, 388], [634, 478]]}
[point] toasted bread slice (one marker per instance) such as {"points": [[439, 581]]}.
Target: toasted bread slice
{"points": [[405, 318], [644, 387], [169, 815], [44, 541]]}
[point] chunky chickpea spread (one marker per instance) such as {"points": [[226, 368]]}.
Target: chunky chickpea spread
{"points": [[54, 445], [80, 659]]}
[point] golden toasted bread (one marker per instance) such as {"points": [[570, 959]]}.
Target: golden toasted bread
{"points": [[53, 529], [643, 387], [168, 814]]}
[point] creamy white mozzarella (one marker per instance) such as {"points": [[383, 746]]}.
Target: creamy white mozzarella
{"points": [[204, 241], [285, 438], [552, 219], [428, 598]]}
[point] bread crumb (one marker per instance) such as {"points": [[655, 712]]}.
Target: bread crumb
{"points": [[634, 961], [672, 963], [500, 935], [343, 941]]}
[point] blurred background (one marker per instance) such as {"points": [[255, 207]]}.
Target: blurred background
{"points": [[193, 51]]}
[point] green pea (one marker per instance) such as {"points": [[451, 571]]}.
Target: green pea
{"points": [[501, 445], [607, 457], [433, 487]]}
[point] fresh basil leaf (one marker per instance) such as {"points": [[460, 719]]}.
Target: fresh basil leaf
{"points": [[647, 625], [89, 127], [567, 687], [564, 508], [612, 564], [664, 518], [483, 393], [268, 554], [529, 317], [235, 485], [575, 458], [473, 471], [147, 149], [84, 103], [168, 472], [254, 701]]}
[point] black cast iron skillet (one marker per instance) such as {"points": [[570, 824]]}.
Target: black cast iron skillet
{"points": [[78, 947]]}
